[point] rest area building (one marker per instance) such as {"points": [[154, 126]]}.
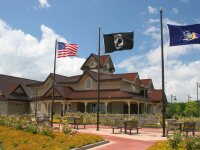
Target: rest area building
{"points": [[119, 93]]}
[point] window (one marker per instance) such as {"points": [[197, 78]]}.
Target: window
{"points": [[88, 83], [92, 64], [19, 105], [101, 108]]}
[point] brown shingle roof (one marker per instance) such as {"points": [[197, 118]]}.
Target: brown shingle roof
{"points": [[103, 76], [64, 91], [10, 83], [107, 94], [103, 58], [155, 95], [128, 76], [58, 79], [146, 82]]}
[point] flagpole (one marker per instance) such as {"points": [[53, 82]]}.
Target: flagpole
{"points": [[53, 85], [98, 80], [163, 75]]}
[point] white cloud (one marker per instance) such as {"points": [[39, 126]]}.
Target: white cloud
{"points": [[152, 10], [151, 20], [180, 76], [175, 11], [23, 55], [44, 4], [197, 20]]}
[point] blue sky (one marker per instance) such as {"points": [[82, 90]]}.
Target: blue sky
{"points": [[28, 30]]}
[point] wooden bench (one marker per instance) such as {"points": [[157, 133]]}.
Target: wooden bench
{"points": [[189, 127], [78, 121], [75, 122], [132, 125], [119, 124]]}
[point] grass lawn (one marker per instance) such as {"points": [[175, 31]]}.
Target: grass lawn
{"points": [[21, 140]]}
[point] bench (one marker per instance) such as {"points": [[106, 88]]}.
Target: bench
{"points": [[189, 127], [132, 125], [119, 124], [75, 122]]}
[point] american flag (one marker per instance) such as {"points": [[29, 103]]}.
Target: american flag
{"points": [[65, 49]]}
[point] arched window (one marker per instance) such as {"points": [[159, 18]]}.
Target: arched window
{"points": [[88, 83]]}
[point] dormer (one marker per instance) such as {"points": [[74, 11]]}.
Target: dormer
{"points": [[18, 90], [106, 64]]}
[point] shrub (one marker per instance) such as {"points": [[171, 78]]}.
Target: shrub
{"points": [[47, 131], [32, 129], [67, 130], [175, 140]]}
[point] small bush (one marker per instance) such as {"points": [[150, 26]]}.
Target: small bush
{"points": [[47, 131], [32, 129], [67, 130]]}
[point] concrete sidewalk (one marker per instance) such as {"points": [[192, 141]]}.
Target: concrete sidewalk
{"points": [[122, 141]]}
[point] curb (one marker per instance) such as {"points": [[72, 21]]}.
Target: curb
{"points": [[91, 145]]}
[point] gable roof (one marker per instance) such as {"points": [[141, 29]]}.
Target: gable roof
{"points": [[58, 79], [62, 90], [8, 84], [146, 82], [155, 95], [17, 87], [128, 76], [103, 60]]}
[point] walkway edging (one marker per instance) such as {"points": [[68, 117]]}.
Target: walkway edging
{"points": [[91, 145]]}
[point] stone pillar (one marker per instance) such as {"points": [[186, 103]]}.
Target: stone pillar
{"points": [[106, 107], [46, 107], [138, 105], [85, 103], [129, 108], [145, 108]]}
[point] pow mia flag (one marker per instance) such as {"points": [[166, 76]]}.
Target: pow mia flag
{"points": [[118, 41]]}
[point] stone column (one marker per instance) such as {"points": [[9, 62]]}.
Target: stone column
{"points": [[47, 108], [145, 108], [138, 105], [129, 108], [106, 107], [85, 103]]}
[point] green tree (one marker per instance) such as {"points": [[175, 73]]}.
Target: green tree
{"points": [[191, 109]]}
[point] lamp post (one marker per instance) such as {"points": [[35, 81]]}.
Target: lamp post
{"points": [[173, 98], [189, 97], [198, 86]]}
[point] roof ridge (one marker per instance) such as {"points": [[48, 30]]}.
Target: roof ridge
{"points": [[59, 75], [18, 77], [126, 73]]}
